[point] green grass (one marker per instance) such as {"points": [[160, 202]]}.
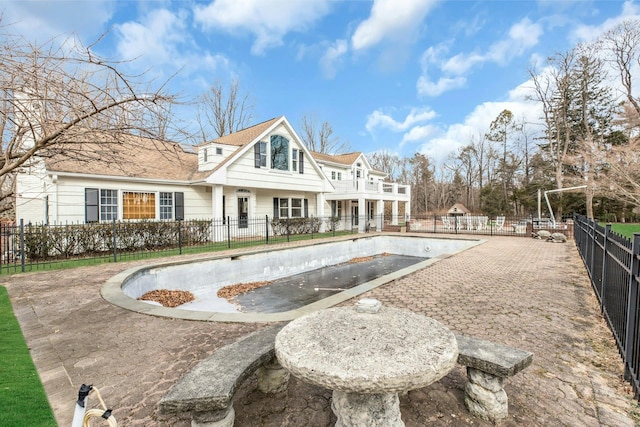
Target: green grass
{"points": [[626, 230], [22, 398]]}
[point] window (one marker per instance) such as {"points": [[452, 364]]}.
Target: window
{"points": [[279, 153], [260, 154], [333, 175], [137, 205], [339, 176], [166, 205], [102, 205], [108, 205], [204, 155], [336, 208], [294, 159], [296, 208], [218, 150], [299, 208], [284, 208]]}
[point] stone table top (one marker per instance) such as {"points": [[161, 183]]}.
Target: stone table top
{"points": [[392, 350]]}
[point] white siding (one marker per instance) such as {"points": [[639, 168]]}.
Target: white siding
{"points": [[243, 173], [31, 192], [70, 192]]}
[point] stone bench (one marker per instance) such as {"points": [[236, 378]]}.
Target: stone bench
{"points": [[488, 365], [206, 392]]}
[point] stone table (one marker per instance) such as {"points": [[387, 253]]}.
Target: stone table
{"points": [[367, 354]]}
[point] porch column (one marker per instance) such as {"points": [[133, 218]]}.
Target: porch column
{"points": [[362, 214], [394, 213], [320, 201], [380, 214], [407, 211], [216, 201]]}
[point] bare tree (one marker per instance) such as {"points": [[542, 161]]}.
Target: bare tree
{"points": [[554, 90], [623, 43], [320, 137], [387, 162], [59, 94], [223, 111]]}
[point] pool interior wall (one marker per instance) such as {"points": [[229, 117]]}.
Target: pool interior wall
{"points": [[211, 274]]}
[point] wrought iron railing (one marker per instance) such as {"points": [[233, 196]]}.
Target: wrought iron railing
{"points": [[613, 264], [28, 247]]}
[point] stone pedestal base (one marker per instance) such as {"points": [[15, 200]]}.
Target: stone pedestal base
{"points": [[272, 377], [485, 397], [214, 419], [371, 410]]}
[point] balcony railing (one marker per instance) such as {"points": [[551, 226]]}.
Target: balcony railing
{"points": [[362, 186]]}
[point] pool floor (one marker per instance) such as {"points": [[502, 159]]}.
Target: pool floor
{"points": [[299, 290]]}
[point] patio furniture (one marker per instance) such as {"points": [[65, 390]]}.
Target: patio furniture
{"points": [[446, 222], [499, 222], [367, 358]]}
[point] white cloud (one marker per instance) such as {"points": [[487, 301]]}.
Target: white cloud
{"points": [[418, 133], [390, 19], [521, 36], [41, 20], [154, 37], [587, 33], [331, 56], [378, 119], [447, 141], [444, 84], [268, 21]]}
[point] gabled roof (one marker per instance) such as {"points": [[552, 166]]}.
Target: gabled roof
{"points": [[133, 156], [344, 159], [245, 136], [347, 159]]}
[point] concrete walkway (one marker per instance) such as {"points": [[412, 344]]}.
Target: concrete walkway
{"points": [[522, 292]]}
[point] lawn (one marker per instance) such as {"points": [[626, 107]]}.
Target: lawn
{"points": [[22, 398], [626, 230]]}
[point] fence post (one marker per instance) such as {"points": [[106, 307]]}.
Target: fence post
{"points": [[22, 249], [288, 231], [603, 278], [266, 228], [632, 307], [228, 232], [180, 236], [594, 239], [115, 241]]}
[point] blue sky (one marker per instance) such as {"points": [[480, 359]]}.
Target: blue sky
{"points": [[404, 76]]}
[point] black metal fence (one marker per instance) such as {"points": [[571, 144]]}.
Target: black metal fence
{"points": [[27, 247], [613, 264], [520, 226]]}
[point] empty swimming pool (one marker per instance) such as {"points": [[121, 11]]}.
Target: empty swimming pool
{"points": [[205, 277]]}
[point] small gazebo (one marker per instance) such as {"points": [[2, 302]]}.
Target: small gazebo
{"points": [[458, 210]]}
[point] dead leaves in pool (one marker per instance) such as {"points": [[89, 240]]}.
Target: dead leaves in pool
{"points": [[168, 298]]}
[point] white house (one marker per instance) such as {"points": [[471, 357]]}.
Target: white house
{"points": [[264, 170], [360, 190]]}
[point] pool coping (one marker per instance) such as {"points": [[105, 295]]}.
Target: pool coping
{"points": [[112, 291]]}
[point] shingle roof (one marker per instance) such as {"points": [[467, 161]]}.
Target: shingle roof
{"points": [[134, 157], [245, 136], [345, 159]]}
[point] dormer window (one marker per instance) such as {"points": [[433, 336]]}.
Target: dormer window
{"points": [[279, 153], [219, 151], [204, 155]]}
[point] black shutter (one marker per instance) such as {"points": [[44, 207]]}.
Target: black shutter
{"points": [[306, 208], [276, 208], [301, 162], [179, 205], [256, 155], [91, 205]]}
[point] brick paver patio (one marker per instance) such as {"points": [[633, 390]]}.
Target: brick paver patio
{"points": [[522, 292]]}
